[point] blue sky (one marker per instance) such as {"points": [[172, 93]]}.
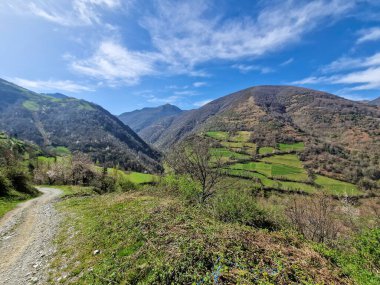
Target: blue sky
{"points": [[128, 54]]}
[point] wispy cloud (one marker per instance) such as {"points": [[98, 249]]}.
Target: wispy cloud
{"points": [[369, 35], [68, 13], [199, 84], [202, 103], [51, 85], [163, 100], [244, 68], [360, 73], [186, 35], [287, 62], [114, 63]]}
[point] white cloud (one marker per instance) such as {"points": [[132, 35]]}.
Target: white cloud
{"points": [[51, 85], [114, 63], [244, 68], [368, 35], [165, 100], [199, 84], [347, 63], [75, 13], [202, 103], [287, 62], [186, 35], [186, 92], [360, 73]]}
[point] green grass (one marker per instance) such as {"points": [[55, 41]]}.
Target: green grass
{"points": [[141, 178], [249, 148], [11, 201], [7, 204], [156, 239], [223, 136], [337, 187], [285, 159], [300, 146], [274, 170], [266, 150], [31, 105], [240, 136], [226, 153], [271, 183]]}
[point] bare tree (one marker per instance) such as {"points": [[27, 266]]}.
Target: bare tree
{"points": [[314, 217], [193, 158]]}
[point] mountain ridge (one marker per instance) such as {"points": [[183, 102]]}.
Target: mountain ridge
{"points": [[149, 121], [76, 124]]}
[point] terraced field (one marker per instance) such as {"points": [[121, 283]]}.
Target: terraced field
{"points": [[276, 170]]}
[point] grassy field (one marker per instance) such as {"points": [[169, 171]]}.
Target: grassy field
{"points": [[223, 136], [274, 170], [337, 187], [266, 150], [141, 178], [271, 183], [286, 159], [228, 154], [240, 136], [144, 238], [300, 146]]}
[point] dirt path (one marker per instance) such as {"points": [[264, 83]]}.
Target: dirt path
{"points": [[26, 235]]}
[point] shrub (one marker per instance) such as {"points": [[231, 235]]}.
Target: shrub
{"points": [[20, 181], [5, 184], [104, 183], [124, 184], [314, 217], [182, 185], [241, 207]]}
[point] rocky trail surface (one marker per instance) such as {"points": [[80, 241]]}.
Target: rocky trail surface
{"points": [[26, 236]]}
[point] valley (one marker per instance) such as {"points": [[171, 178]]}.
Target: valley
{"points": [[256, 187]]}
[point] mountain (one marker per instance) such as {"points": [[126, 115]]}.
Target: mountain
{"points": [[282, 113], [375, 102], [149, 123], [56, 95], [78, 125]]}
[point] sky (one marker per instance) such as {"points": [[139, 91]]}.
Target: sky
{"points": [[130, 54]]}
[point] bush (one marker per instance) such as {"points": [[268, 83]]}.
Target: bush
{"points": [[314, 217], [21, 181], [5, 184], [241, 207], [104, 183], [123, 184], [182, 185], [359, 258]]}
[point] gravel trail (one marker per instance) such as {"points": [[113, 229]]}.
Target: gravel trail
{"points": [[26, 236]]}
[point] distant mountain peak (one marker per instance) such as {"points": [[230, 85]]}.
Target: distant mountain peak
{"points": [[150, 119], [375, 102]]}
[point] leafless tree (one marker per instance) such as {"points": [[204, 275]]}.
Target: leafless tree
{"points": [[314, 217], [193, 158]]}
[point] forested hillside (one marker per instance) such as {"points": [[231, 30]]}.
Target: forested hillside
{"points": [[57, 121]]}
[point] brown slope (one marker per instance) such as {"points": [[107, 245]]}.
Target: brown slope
{"points": [[280, 110]]}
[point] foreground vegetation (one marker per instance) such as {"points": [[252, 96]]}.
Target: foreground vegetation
{"points": [[156, 235], [15, 178]]}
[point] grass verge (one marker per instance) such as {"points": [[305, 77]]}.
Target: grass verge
{"points": [[146, 238]]}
